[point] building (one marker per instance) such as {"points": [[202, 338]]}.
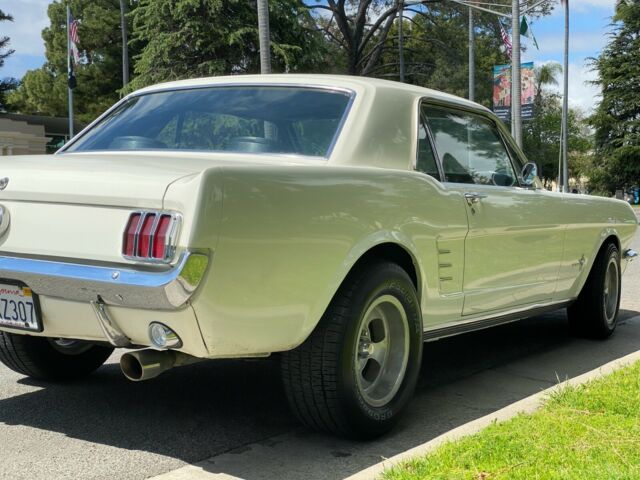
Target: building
{"points": [[33, 134]]}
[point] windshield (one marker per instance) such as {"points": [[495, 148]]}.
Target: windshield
{"points": [[280, 120]]}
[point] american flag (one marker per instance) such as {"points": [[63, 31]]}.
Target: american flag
{"points": [[73, 37], [506, 40]]}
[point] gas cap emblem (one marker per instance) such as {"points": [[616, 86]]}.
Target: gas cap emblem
{"points": [[4, 219], [4, 182]]}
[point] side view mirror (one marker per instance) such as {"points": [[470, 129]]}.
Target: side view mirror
{"points": [[529, 174]]}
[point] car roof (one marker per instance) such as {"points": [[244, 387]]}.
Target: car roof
{"points": [[349, 82]]}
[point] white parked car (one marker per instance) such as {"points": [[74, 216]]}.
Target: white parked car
{"points": [[338, 222]]}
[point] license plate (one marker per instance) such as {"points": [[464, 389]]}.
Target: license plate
{"points": [[19, 307]]}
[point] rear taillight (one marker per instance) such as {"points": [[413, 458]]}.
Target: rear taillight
{"points": [[150, 236]]}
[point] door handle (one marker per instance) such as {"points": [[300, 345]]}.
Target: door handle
{"points": [[474, 197]]}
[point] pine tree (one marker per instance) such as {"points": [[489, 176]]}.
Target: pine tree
{"points": [[617, 117], [99, 76], [7, 84], [198, 38], [5, 51]]}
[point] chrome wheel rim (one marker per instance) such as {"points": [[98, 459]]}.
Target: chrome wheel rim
{"points": [[611, 291], [381, 350]]}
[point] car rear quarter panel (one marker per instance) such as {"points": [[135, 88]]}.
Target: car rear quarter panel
{"points": [[288, 236]]}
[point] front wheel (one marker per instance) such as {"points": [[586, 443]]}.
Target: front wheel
{"points": [[595, 313], [357, 371], [51, 359]]}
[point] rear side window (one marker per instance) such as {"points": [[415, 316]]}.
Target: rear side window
{"points": [[470, 148]]}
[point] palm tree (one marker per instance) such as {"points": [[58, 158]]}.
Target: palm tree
{"points": [[546, 75], [263, 34]]}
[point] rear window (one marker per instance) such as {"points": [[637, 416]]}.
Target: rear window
{"points": [[277, 120]]}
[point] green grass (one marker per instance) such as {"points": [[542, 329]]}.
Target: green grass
{"points": [[586, 432]]}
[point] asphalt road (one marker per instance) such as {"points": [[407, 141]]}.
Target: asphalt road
{"points": [[110, 428]]}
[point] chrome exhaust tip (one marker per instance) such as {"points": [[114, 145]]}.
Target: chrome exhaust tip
{"points": [[146, 364]]}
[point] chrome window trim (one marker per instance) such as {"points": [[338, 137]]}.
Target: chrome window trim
{"points": [[330, 88], [126, 286], [422, 120]]}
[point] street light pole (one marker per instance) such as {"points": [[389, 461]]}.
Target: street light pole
{"points": [[125, 47], [565, 104], [401, 39], [472, 58], [516, 82]]}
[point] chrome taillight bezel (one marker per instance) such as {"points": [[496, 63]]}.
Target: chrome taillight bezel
{"points": [[171, 240]]}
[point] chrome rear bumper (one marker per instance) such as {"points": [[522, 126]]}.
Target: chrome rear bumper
{"points": [[167, 289]]}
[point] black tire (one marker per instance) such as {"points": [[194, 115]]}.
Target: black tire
{"points": [[595, 312], [320, 377], [40, 358]]}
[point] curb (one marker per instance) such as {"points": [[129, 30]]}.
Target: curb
{"points": [[526, 405], [270, 459]]}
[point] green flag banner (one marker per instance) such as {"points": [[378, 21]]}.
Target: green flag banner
{"points": [[525, 30]]}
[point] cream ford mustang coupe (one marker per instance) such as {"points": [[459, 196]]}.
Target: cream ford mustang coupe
{"points": [[338, 222]]}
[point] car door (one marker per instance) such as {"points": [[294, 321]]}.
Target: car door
{"points": [[514, 246]]}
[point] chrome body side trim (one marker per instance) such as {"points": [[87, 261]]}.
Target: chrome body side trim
{"points": [[110, 328], [167, 289], [629, 254], [480, 323]]}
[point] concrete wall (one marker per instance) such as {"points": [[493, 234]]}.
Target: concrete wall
{"points": [[20, 138]]}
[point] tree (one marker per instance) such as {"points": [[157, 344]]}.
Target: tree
{"points": [[541, 138], [436, 55], [7, 84], [617, 117], [196, 38], [545, 74], [99, 75], [5, 51], [358, 28]]}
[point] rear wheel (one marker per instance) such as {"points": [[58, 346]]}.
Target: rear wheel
{"points": [[595, 312], [357, 371], [51, 359]]}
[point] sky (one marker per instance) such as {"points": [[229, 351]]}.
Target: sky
{"points": [[590, 21]]}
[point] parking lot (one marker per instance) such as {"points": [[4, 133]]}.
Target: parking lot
{"points": [[234, 412]]}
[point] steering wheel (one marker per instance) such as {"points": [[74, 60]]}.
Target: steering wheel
{"points": [[135, 142]]}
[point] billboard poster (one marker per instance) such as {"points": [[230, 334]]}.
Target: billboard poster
{"points": [[502, 91]]}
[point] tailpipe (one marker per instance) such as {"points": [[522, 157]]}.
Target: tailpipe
{"points": [[145, 364]]}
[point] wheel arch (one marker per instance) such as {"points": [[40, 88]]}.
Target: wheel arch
{"points": [[384, 247], [607, 237], [395, 253]]}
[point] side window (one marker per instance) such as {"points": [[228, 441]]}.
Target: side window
{"points": [[426, 161], [470, 148]]}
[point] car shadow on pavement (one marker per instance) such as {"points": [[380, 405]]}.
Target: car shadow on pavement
{"points": [[231, 409]]}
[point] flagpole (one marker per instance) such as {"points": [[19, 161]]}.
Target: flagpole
{"points": [[69, 90], [565, 103]]}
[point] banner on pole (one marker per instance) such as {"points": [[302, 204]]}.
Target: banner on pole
{"points": [[502, 91]]}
